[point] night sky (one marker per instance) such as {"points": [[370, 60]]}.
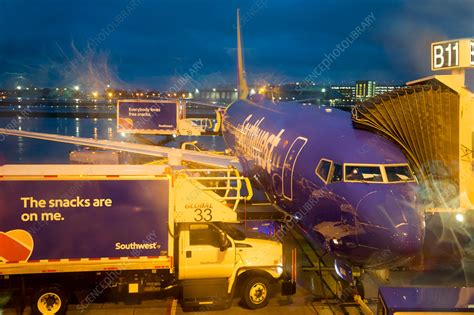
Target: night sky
{"points": [[151, 43]]}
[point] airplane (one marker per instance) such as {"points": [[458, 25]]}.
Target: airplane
{"points": [[350, 190]]}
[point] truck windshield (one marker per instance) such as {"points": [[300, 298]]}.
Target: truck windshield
{"points": [[399, 173]]}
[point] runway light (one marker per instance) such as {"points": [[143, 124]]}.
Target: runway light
{"points": [[459, 217]]}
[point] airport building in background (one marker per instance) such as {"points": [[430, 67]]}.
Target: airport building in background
{"points": [[308, 94], [365, 89]]}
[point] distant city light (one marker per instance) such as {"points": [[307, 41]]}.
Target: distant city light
{"points": [[95, 94], [110, 94], [108, 85], [214, 89], [196, 90], [323, 90], [76, 87], [252, 92], [18, 87]]}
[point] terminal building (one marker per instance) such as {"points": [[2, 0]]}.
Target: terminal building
{"points": [[365, 89]]}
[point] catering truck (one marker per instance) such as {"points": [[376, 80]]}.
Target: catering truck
{"points": [[131, 229]]}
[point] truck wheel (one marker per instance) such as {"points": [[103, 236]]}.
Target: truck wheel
{"points": [[49, 300], [256, 292]]}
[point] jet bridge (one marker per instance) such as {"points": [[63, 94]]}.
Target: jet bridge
{"points": [[433, 121]]}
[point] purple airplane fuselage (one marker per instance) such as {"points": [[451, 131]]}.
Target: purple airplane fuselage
{"points": [[303, 157]]}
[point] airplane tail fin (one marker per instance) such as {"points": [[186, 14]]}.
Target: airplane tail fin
{"points": [[242, 76]]}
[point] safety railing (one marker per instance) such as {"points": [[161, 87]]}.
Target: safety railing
{"points": [[227, 184]]}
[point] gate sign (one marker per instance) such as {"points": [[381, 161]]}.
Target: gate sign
{"points": [[453, 54], [148, 116]]}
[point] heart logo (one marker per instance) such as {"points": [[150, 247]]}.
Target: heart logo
{"points": [[15, 246]]}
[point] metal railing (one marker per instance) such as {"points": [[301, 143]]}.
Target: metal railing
{"points": [[226, 183]]}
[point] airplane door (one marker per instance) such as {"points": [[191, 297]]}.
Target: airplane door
{"points": [[289, 166]]}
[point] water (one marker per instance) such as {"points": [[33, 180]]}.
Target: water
{"points": [[14, 150]]}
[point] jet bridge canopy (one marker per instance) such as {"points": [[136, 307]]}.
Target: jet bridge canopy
{"points": [[424, 120]]}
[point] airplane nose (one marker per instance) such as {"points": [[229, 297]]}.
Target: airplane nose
{"points": [[407, 239], [392, 221]]}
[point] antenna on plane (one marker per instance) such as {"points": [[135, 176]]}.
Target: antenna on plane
{"points": [[242, 76]]}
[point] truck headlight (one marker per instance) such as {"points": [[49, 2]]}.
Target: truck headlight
{"points": [[279, 270]]}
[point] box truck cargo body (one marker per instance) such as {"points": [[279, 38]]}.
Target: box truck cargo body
{"points": [[130, 229]]}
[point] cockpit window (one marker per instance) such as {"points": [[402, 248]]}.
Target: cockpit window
{"points": [[337, 173], [399, 173], [323, 169], [361, 173]]}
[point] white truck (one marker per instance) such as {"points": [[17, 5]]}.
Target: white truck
{"points": [[132, 229]]}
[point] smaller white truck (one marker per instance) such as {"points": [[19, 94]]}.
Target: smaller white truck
{"points": [[131, 229]]}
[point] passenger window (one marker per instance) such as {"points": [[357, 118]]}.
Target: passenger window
{"points": [[337, 174], [203, 234], [323, 169]]}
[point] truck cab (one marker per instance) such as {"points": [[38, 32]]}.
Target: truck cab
{"points": [[220, 255]]}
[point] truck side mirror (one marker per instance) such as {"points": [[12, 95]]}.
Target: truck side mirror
{"points": [[223, 241]]}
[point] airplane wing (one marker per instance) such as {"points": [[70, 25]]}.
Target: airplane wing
{"points": [[204, 158]]}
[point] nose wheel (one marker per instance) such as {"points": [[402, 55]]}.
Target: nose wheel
{"points": [[346, 291], [359, 287]]}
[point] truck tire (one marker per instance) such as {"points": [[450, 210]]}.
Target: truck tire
{"points": [[255, 292], [49, 300]]}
